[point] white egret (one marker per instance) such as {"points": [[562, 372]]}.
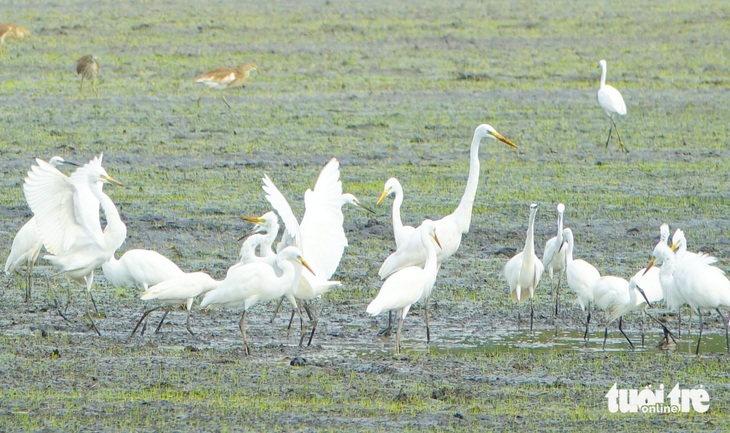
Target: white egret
{"points": [[553, 256], [450, 228], [696, 282], [523, 271], [180, 289], [616, 297], [257, 282], [67, 218], [320, 236], [266, 225], [648, 281], [27, 244], [405, 287], [139, 267], [612, 103], [400, 231], [580, 276]]}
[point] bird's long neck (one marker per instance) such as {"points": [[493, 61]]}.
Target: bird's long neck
{"points": [[397, 202], [530, 240], [603, 75], [463, 211], [115, 231], [559, 236], [431, 265], [569, 251], [265, 249]]}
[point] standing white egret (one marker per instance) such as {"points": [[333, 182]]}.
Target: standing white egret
{"points": [[400, 231], [27, 244], [139, 267], [257, 282], [405, 287], [450, 228], [180, 289], [320, 236], [67, 217], [580, 276], [696, 282], [612, 103], [523, 271], [553, 256]]}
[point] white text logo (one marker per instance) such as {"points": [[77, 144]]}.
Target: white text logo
{"points": [[652, 400]]}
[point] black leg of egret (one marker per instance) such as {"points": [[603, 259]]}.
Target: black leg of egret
{"points": [[398, 332], [385, 332], [242, 327], [276, 311], [620, 328], [532, 314], [187, 324], [313, 320], [699, 316], [139, 322], [610, 129], [588, 322], [620, 142], [428, 329], [725, 322], [159, 325]]}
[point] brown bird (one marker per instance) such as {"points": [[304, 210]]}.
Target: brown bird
{"points": [[224, 78], [11, 30], [88, 67]]}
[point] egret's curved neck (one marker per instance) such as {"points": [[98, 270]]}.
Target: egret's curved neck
{"points": [[397, 222], [463, 211], [569, 251], [265, 248], [603, 74], [115, 231], [559, 237]]}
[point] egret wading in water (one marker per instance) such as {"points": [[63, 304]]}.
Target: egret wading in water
{"points": [[616, 297], [27, 244], [580, 276], [449, 228], [257, 282], [696, 282], [553, 257], [612, 103], [320, 236], [523, 271], [67, 217], [225, 78], [406, 286]]}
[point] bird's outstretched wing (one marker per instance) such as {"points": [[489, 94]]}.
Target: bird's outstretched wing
{"points": [[50, 195], [292, 235], [323, 235]]}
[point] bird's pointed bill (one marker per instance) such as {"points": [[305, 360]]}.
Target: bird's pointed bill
{"points": [[383, 195], [644, 295], [364, 207], [502, 138], [436, 238], [674, 246], [651, 263], [304, 263], [111, 180]]}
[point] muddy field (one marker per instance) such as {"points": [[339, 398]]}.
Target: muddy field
{"points": [[389, 89]]}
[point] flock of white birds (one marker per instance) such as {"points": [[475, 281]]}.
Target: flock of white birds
{"points": [[299, 267]]}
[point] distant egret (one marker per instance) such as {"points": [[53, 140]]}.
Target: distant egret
{"points": [[180, 289], [406, 286], [580, 276], [257, 282], [225, 78], [321, 234], [553, 256], [27, 244], [523, 271], [450, 228], [696, 282], [67, 217], [612, 103], [616, 297]]}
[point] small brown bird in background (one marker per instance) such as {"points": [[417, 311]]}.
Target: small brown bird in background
{"points": [[224, 78], [11, 30], [88, 67]]}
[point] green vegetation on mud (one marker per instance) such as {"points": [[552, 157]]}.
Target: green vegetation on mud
{"points": [[390, 89]]}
